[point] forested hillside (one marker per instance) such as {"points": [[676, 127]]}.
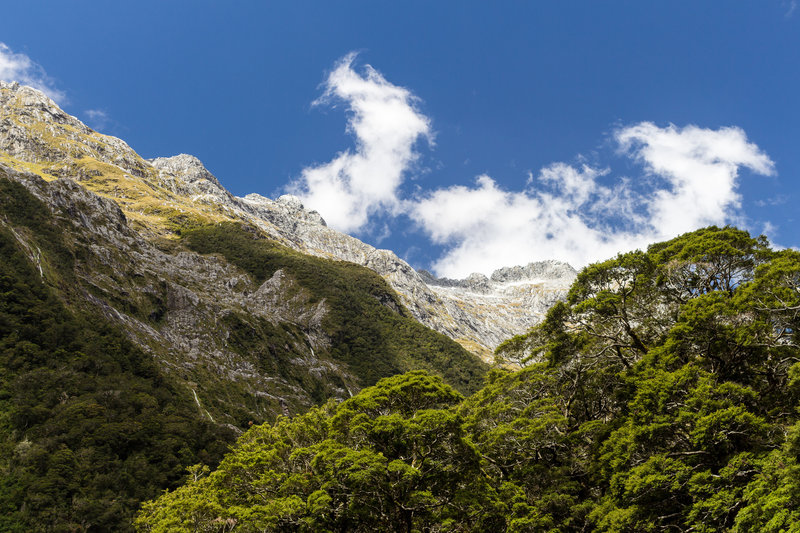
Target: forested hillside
{"points": [[124, 360], [89, 425], [661, 396]]}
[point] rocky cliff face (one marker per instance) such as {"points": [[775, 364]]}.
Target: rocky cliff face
{"points": [[178, 306], [510, 302], [163, 196]]}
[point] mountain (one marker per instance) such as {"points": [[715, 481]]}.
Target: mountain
{"points": [[149, 320], [142, 217], [147, 317], [165, 196]]}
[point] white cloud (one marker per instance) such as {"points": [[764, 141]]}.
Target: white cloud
{"points": [[699, 167], [577, 214], [487, 227], [97, 118], [566, 214], [20, 68], [386, 124], [778, 199], [769, 229]]}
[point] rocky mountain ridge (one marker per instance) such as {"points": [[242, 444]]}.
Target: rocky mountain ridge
{"points": [[164, 196], [510, 301]]}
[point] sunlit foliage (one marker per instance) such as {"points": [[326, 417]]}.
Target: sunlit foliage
{"points": [[662, 395]]}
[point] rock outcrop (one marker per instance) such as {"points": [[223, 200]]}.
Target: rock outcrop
{"points": [[178, 305], [509, 302]]}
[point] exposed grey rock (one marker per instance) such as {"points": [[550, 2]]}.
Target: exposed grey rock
{"points": [[185, 175], [187, 167], [192, 296], [284, 212], [542, 270], [508, 303], [23, 107]]}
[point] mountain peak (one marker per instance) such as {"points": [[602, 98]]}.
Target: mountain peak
{"points": [[539, 271], [52, 143], [29, 96], [187, 167], [291, 201]]}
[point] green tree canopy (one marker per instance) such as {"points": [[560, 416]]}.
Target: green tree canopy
{"points": [[662, 395]]}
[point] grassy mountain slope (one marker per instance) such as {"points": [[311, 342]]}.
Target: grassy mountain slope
{"points": [[40, 138], [661, 396], [123, 361]]}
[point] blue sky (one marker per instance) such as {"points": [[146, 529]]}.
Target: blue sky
{"points": [[485, 134]]}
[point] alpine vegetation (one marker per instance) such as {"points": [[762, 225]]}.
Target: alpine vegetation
{"points": [[661, 395]]}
